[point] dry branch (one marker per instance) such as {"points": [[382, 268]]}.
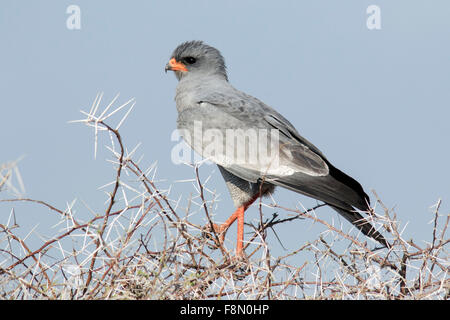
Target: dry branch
{"points": [[144, 245]]}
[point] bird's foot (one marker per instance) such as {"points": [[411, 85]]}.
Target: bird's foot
{"points": [[217, 235], [239, 266], [239, 259]]}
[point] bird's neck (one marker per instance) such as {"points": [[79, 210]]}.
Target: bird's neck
{"points": [[192, 88], [215, 75]]}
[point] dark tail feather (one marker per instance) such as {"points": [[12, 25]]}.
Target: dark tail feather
{"points": [[363, 225]]}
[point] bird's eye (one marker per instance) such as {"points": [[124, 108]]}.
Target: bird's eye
{"points": [[190, 60]]}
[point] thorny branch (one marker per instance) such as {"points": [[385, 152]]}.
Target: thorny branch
{"points": [[145, 245]]}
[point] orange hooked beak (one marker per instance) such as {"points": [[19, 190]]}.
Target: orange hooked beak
{"points": [[174, 65]]}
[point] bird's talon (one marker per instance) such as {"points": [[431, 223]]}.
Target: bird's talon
{"points": [[208, 233]]}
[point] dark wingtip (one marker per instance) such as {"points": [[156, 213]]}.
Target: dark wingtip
{"points": [[351, 183], [363, 225], [377, 236]]}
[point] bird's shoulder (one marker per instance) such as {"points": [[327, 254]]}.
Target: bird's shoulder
{"points": [[226, 101]]}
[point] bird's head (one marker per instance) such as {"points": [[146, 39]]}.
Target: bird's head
{"points": [[196, 58]]}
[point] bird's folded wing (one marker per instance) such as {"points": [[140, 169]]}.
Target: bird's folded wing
{"points": [[249, 139]]}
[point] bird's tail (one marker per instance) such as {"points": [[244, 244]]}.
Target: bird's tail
{"points": [[362, 224]]}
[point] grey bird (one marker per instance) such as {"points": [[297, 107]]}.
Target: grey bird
{"points": [[205, 99]]}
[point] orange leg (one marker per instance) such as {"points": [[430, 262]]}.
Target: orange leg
{"points": [[222, 229], [239, 215], [240, 231]]}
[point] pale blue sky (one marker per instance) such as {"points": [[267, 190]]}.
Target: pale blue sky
{"points": [[375, 102]]}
